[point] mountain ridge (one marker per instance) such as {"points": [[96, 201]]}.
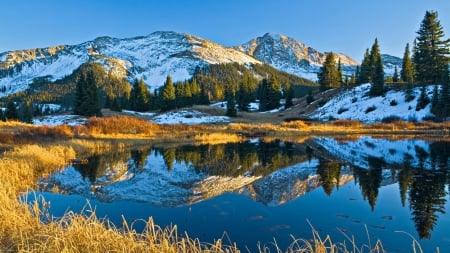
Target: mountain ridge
{"points": [[154, 56]]}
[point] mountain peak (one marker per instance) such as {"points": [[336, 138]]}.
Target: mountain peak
{"points": [[290, 55]]}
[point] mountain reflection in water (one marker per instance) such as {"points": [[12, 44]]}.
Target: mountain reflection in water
{"points": [[272, 173]]}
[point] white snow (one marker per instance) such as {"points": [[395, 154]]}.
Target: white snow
{"points": [[56, 120], [189, 117], [353, 105], [391, 151]]}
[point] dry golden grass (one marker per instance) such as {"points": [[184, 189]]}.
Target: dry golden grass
{"points": [[217, 138]]}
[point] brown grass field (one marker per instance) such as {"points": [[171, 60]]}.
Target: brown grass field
{"points": [[30, 152]]}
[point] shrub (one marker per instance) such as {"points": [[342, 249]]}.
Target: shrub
{"points": [[354, 100], [370, 109], [322, 102], [393, 102], [348, 123], [391, 119], [342, 110], [432, 118]]}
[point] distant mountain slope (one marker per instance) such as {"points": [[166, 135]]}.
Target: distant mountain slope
{"points": [[290, 55], [151, 57]]}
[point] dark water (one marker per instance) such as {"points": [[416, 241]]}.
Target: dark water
{"points": [[369, 189]]}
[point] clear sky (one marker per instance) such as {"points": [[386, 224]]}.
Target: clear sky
{"points": [[345, 26]]}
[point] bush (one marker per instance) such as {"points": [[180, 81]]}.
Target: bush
{"points": [[354, 100], [391, 119], [342, 110], [393, 102], [348, 123], [322, 102], [371, 109], [432, 118]]}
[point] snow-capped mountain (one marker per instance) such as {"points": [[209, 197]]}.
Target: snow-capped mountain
{"points": [[389, 63], [150, 57], [292, 56]]}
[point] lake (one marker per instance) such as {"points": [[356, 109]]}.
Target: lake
{"points": [[254, 192]]}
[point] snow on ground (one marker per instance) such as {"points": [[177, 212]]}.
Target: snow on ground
{"points": [[189, 117], [390, 151], [252, 107], [353, 105], [150, 114], [56, 120]]}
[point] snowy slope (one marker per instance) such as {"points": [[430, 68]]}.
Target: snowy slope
{"points": [[353, 105], [292, 56], [391, 151], [150, 57]]}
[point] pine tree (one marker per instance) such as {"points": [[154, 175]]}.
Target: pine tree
{"points": [[395, 77], [365, 70], [140, 96], [86, 97], [231, 104], [27, 112], [269, 94], [435, 103], [339, 70], [423, 99], [407, 72], [168, 95], [377, 73], [289, 95], [11, 112], [2, 115], [328, 75], [246, 91], [431, 56]]}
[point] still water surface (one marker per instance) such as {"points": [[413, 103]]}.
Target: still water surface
{"points": [[258, 192]]}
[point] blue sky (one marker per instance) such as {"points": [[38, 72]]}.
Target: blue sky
{"points": [[346, 26]]}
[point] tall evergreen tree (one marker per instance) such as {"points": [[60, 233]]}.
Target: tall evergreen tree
{"points": [[431, 51], [328, 75], [377, 73], [231, 103], [27, 112], [11, 112], [269, 94], [423, 99], [140, 96], [395, 77], [2, 115], [407, 72], [289, 95], [86, 97], [339, 70], [365, 70], [168, 95]]}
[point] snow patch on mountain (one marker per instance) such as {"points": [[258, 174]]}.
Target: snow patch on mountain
{"points": [[356, 104]]}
